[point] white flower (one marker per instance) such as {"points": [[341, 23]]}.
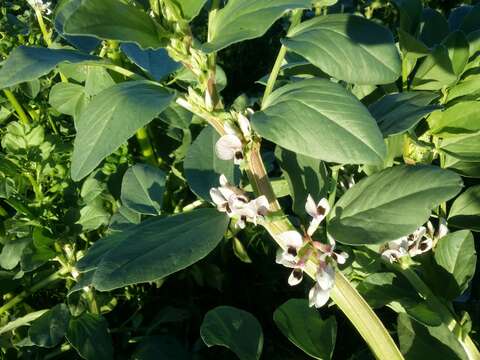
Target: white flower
{"points": [[325, 281], [414, 244], [234, 202], [292, 242], [230, 147], [244, 124], [317, 212], [328, 251], [43, 7]]}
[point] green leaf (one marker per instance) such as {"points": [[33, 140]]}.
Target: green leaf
{"points": [[176, 116], [455, 253], [465, 210], [418, 341], [12, 252], [22, 321], [142, 189], [156, 62], [467, 87], [88, 334], [112, 117], [98, 79], [304, 175], [50, 328], [347, 47], [190, 8], [320, 119], [463, 147], [68, 98], [391, 203], [29, 63], [203, 167], [467, 169], [246, 19], [397, 113], [306, 329], [93, 215], [434, 27], [410, 14], [458, 51], [435, 71], [235, 329], [160, 348], [154, 249], [115, 20], [463, 117]]}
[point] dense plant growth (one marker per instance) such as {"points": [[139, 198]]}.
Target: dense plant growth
{"points": [[284, 179]]}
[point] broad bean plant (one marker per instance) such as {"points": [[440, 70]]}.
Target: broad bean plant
{"points": [[276, 179]]}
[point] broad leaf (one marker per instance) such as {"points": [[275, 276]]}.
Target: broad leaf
{"points": [[203, 167], [347, 47], [12, 252], [154, 249], [458, 51], [124, 218], [111, 118], [305, 328], [22, 321], [391, 204], [434, 27], [463, 147], [155, 62], [246, 19], [464, 168], [235, 329], [97, 80], [463, 117], [304, 175], [435, 71], [88, 334], [190, 8], [50, 328], [101, 18], [320, 119], [29, 63], [467, 87], [455, 253], [142, 189], [397, 113], [410, 14], [418, 341], [465, 210], [68, 98]]}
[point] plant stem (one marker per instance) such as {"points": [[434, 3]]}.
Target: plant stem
{"points": [[447, 316], [24, 294], [145, 146], [344, 295], [296, 18], [16, 105]]}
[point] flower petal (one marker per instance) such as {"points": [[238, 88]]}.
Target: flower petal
{"points": [[217, 197], [318, 297], [296, 277], [314, 223], [323, 207], [291, 238], [326, 277], [244, 125], [227, 146], [310, 206]]}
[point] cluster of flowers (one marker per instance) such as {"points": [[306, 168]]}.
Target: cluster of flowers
{"points": [[296, 249], [299, 249], [43, 7], [419, 242]]}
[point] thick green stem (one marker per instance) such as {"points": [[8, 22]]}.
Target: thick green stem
{"points": [[296, 18], [146, 146], [344, 295], [438, 307], [16, 105], [24, 294]]}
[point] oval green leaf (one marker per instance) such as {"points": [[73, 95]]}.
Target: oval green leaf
{"points": [[50, 328], [246, 19], [115, 20], [142, 189], [347, 47], [391, 204], [465, 210], [235, 329], [111, 118], [320, 119], [154, 249], [306, 329], [29, 63]]}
